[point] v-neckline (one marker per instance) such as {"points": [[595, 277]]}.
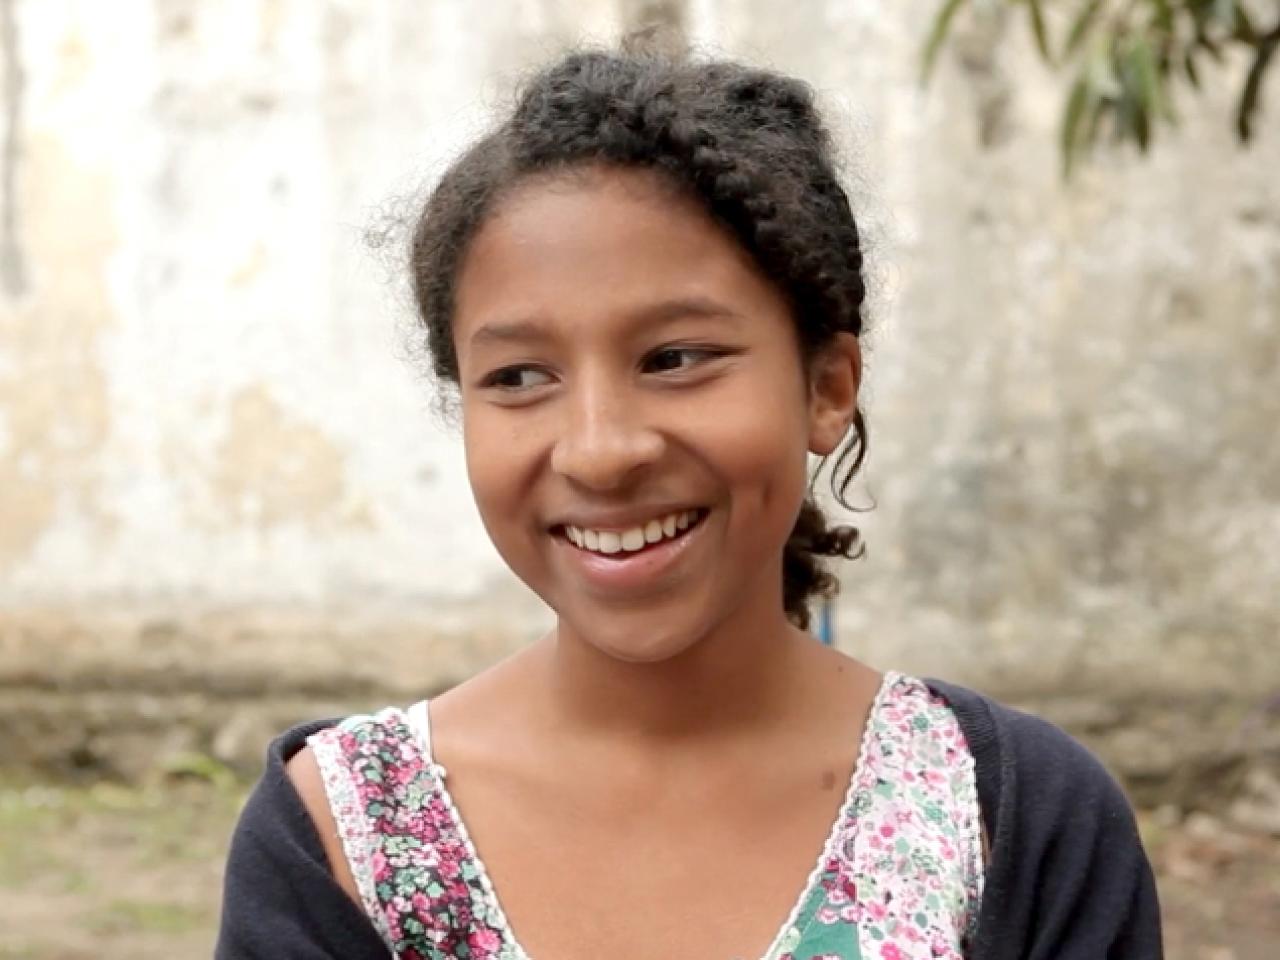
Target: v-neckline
{"points": [[420, 720]]}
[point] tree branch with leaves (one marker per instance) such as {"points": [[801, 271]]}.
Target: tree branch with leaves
{"points": [[1127, 57]]}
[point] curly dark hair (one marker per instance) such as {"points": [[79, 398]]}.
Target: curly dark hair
{"points": [[748, 143]]}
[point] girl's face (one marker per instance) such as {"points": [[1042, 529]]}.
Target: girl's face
{"points": [[636, 412]]}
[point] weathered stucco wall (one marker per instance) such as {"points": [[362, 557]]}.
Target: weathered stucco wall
{"points": [[204, 400]]}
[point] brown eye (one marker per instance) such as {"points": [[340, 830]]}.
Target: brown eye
{"points": [[516, 378], [669, 359]]}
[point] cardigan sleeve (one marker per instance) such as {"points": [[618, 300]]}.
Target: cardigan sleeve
{"points": [[280, 900], [1067, 877]]}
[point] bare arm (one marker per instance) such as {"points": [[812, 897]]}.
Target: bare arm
{"points": [[304, 774]]}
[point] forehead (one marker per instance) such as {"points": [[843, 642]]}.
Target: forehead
{"points": [[600, 243]]}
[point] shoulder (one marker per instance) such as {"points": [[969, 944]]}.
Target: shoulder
{"points": [[286, 805], [341, 768], [1067, 876], [303, 771], [319, 772], [279, 858], [919, 723], [1023, 756]]}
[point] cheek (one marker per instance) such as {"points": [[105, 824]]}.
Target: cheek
{"points": [[493, 470], [761, 451]]}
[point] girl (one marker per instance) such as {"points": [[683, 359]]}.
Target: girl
{"points": [[646, 287]]}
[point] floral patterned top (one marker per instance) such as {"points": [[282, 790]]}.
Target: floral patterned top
{"points": [[899, 877]]}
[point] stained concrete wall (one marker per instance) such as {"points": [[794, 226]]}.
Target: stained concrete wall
{"points": [[205, 400]]}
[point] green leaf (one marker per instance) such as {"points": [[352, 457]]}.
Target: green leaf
{"points": [[1134, 109], [1141, 121], [1150, 85], [1069, 135], [1104, 80], [937, 35], [1163, 18], [1189, 65], [1243, 28], [1081, 26], [1249, 96], [1038, 29]]}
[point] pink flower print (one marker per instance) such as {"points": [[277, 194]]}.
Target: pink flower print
{"points": [[886, 830], [889, 951], [849, 888], [449, 868], [394, 929], [827, 916], [483, 942]]}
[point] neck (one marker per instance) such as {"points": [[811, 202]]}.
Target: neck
{"points": [[742, 673]]}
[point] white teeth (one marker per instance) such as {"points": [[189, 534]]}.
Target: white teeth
{"points": [[635, 538]]}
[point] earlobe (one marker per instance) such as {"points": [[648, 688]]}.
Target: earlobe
{"points": [[833, 393]]}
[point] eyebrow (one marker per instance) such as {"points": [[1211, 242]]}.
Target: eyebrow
{"points": [[532, 330]]}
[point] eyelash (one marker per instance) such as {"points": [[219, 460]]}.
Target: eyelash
{"points": [[705, 354], [493, 380]]}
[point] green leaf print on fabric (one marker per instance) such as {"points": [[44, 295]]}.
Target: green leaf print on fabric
{"points": [[822, 930]]}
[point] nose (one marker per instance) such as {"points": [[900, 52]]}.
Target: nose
{"points": [[604, 439]]}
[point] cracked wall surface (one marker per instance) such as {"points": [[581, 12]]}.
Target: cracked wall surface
{"points": [[205, 396]]}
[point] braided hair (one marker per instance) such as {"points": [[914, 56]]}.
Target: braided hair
{"points": [[748, 143]]}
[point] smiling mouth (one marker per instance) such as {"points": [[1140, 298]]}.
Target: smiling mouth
{"points": [[621, 544]]}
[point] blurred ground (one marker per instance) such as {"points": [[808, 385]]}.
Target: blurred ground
{"points": [[128, 743], [109, 873]]}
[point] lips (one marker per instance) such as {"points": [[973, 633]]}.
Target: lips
{"points": [[632, 572]]}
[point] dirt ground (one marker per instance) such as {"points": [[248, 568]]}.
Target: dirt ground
{"points": [[107, 872]]}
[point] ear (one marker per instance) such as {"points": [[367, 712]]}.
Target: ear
{"points": [[834, 378]]}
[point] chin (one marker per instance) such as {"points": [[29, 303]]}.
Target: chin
{"points": [[635, 641]]}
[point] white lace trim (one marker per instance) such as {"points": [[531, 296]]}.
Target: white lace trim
{"points": [[866, 864], [419, 718], [834, 838], [879, 752]]}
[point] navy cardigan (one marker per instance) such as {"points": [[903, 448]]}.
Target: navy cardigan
{"points": [[1067, 878]]}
